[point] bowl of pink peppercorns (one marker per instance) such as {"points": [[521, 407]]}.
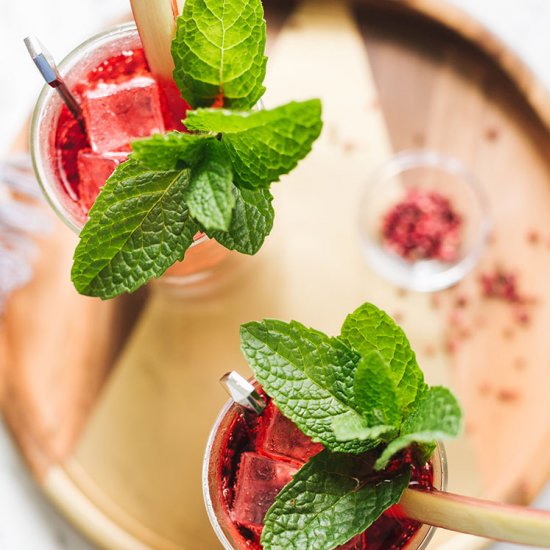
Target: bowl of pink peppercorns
{"points": [[423, 221]]}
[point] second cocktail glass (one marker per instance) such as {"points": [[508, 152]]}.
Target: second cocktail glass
{"points": [[279, 439]]}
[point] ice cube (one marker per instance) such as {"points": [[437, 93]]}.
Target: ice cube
{"points": [[283, 439], [259, 480], [116, 114], [94, 169]]}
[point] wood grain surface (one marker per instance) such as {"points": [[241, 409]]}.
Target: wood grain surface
{"points": [[111, 403]]}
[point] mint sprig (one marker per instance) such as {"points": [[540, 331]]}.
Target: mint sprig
{"points": [[221, 169], [370, 329], [360, 391]]}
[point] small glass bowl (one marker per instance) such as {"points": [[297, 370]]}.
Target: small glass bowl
{"points": [[425, 171]]}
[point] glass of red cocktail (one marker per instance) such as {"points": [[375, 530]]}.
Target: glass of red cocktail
{"points": [[121, 101], [250, 458]]}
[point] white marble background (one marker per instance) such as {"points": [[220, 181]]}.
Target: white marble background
{"points": [[27, 520]]}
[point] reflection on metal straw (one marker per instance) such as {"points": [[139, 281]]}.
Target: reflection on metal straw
{"points": [[243, 392], [48, 69]]}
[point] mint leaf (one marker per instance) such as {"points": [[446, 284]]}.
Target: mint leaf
{"points": [[226, 121], [328, 502], [376, 400], [251, 222], [370, 329], [170, 151], [138, 227], [209, 196], [308, 375], [349, 427], [219, 50], [262, 145], [437, 417], [376, 391]]}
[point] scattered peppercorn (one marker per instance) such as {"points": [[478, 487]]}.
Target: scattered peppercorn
{"points": [[500, 285]]}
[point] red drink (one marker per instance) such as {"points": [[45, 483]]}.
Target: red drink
{"points": [[251, 458], [121, 102]]}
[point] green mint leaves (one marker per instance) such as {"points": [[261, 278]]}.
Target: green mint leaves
{"points": [[219, 52], [263, 145], [370, 329], [360, 391], [329, 491], [376, 391], [171, 150], [209, 195], [139, 226], [436, 417], [251, 222], [310, 378], [214, 179], [354, 392]]}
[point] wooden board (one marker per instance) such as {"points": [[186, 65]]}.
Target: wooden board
{"points": [[111, 403]]}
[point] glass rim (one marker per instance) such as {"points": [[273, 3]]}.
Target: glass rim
{"points": [[229, 404], [426, 531]]}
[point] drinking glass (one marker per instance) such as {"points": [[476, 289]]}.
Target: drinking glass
{"points": [[205, 255], [218, 511]]}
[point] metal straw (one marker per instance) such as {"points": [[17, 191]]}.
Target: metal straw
{"points": [[48, 69], [243, 392]]}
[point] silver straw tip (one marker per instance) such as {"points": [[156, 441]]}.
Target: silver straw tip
{"points": [[243, 392], [42, 59]]}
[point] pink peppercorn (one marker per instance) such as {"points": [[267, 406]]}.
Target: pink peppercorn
{"points": [[501, 285], [423, 226]]}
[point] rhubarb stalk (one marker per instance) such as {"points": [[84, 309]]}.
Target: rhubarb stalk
{"points": [[156, 23], [477, 517]]}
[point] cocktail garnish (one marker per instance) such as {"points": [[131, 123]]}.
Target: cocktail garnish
{"points": [[215, 178], [358, 392], [364, 390]]}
